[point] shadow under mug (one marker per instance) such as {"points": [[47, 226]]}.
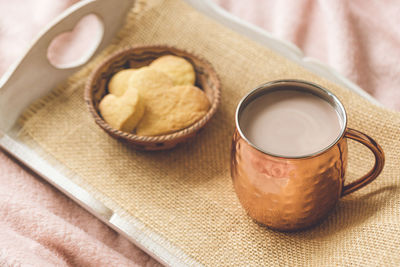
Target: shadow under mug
{"points": [[292, 193]]}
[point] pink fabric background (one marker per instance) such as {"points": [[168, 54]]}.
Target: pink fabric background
{"points": [[40, 226], [359, 38]]}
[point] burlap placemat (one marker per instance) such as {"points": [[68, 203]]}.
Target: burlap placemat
{"points": [[185, 195]]}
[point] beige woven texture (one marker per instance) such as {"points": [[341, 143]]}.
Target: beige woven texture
{"points": [[185, 195]]}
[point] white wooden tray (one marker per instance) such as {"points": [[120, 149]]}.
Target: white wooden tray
{"points": [[36, 70]]}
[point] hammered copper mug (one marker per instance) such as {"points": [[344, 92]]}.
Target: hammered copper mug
{"points": [[292, 193]]}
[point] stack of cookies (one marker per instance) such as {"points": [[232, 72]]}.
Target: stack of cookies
{"points": [[154, 100]]}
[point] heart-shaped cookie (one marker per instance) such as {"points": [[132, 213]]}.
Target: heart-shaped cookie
{"points": [[119, 82], [149, 82], [123, 112], [171, 109], [177, 68]]}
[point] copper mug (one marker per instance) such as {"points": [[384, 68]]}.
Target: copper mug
{"points": [[292, 193]]}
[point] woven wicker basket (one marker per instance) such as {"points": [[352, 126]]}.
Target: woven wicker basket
{"points": [[135, 57]]}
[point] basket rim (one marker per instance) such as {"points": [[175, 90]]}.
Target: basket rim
{"points": [[156, 138]]}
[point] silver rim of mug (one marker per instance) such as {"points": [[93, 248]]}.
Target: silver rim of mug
{"points": [[296, 85]]}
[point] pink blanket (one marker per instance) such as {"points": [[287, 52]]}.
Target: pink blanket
{"points": [[40, 226], [359, 38]]}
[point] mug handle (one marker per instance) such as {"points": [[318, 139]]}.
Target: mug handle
{"points": [[379, 160]]}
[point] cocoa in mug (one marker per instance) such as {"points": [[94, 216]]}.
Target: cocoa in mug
{"points": [[289, 154]]}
